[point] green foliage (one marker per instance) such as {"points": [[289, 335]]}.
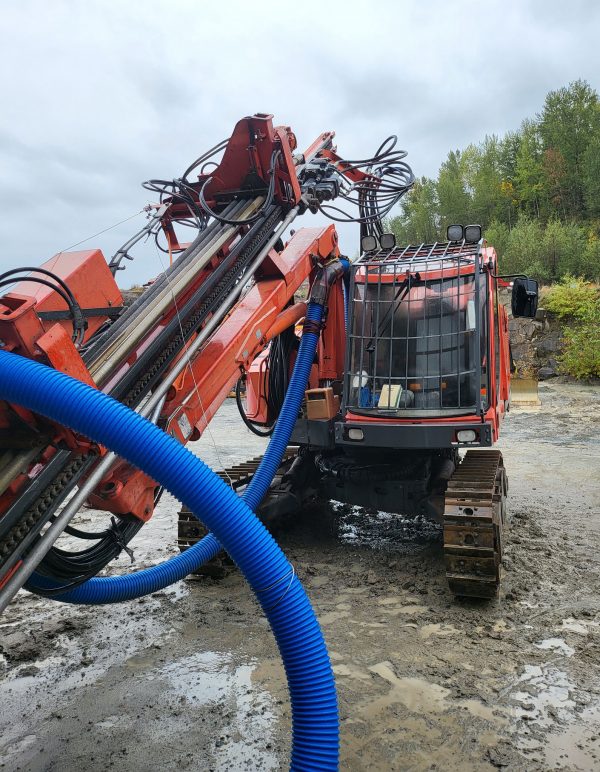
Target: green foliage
{"points": [[418, 221], [572, 298], [591, 177], [569, 121], [529, 171], [581, 352], [535, 191], [591, 258], [564, 248], [525, 252], [498, 235], [454, 200], [577, 303]]}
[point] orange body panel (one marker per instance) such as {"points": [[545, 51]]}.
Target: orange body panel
{"points": [[89, 279], [199, 391]]}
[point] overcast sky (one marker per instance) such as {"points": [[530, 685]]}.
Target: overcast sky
{"points": [[98, 96]]}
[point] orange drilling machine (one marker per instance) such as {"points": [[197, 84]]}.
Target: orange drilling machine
{"points": [[412, 367]]}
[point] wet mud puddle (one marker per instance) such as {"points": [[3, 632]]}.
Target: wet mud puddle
{"points": [[191, 678]]}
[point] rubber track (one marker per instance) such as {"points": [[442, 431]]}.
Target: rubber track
{"points": [[474, 519], [189, 529]]}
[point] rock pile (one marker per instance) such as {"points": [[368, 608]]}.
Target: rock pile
{"points": [[536, 344]]}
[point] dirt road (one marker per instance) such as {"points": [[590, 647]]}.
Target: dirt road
{"points": [[190, 677]]}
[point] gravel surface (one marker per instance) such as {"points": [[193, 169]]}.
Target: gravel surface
{"points": [[190, 677]]}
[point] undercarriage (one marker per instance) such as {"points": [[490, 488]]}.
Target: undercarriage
{"points": [[466, 496]]}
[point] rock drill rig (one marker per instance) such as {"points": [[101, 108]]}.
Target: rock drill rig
{"points": [[412, 365]]}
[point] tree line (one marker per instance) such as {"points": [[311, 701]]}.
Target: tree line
{"points": [[535, 191]]}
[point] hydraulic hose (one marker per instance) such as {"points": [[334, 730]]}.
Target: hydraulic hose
{"points": [[273, 579], [345, 294], [115, 589]]}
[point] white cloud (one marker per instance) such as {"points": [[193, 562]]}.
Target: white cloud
{"points": [[98, 96]]}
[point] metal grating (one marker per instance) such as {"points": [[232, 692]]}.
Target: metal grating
{"points": [[417, 332]]}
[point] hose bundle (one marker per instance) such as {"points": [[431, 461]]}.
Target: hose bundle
{"points": [[277, 587], [273, 579], [388, 178]]}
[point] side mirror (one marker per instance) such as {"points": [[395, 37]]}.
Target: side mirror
{"points": [[524, 298]]}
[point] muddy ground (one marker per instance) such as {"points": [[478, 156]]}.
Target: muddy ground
{"points": [[190, 677]]}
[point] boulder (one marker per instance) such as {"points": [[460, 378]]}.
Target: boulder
{"points": [[547, 372], [549, 344]]}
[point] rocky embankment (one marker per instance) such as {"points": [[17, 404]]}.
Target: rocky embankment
{"points": [[536, 345]]}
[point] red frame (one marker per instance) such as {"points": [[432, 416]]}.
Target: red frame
{"points": [[499, 395]]}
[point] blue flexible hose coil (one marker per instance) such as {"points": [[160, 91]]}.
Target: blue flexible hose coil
{"points": [[269, 573], [311, 684], [115, 589]]}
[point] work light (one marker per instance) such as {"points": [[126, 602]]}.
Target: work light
{"points": [[472, 233], [455, 233]]}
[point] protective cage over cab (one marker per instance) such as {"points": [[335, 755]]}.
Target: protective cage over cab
{"points": [[418, 332]]}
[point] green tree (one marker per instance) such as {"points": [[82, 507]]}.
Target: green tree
{"points": [[591, 177], [418, 221], [497, 235], [524, 252], [453, 196], [555, 181], [529, 171], [488, 194], [508, 151], [569, 120]]}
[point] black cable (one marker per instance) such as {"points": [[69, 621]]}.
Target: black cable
{"points": [[257, 215], [277, 369], [13, 276], [254, 427], [204, 157], [45, 272], [178, 189], [38, 280], [389, 178], [86, 564], [75, 568], [90, 535]]}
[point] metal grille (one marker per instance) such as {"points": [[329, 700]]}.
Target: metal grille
{"points": [[417, 331]]}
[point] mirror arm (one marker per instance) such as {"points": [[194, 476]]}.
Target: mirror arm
{"points": [[509, 276]]}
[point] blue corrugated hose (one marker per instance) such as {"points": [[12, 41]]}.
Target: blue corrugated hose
{"points": [[114, 589], [346, 293], [271, 576]]}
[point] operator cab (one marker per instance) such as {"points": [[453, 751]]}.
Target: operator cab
{"points": [[414, 343], [416, 347], [425, 344]]}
